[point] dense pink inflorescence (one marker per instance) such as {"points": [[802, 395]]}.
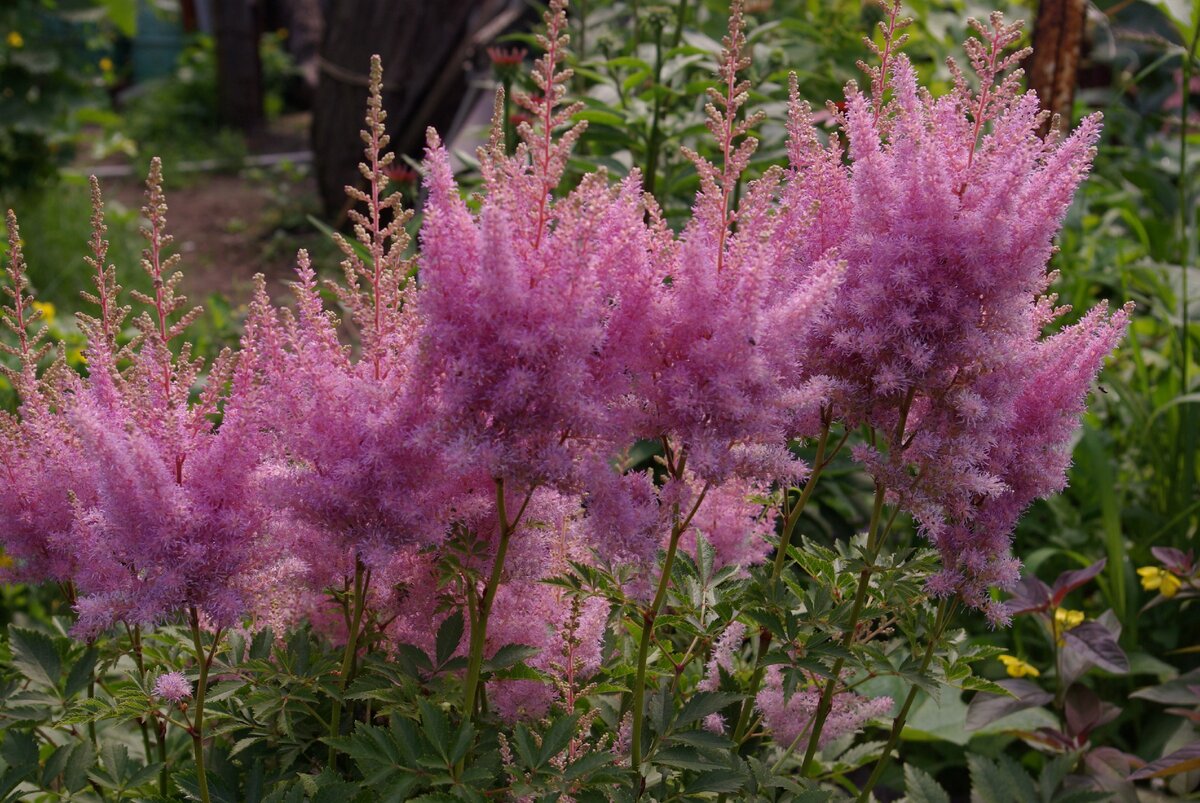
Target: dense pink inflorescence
{"points": [[789, 716], [893, 278], [172, 687], [37, 448], [720, 368], [950, 207], [176, 517]]}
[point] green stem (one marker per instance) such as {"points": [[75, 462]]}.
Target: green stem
{"points": [[680, 20], [160, 736], [510, 131], [945, 613], [743, 722], [793, 517], [652, 146], [359, 606], [135, 643], [1185, 220], [860, 597], [197, 728], [479, 633], [637, 703]]}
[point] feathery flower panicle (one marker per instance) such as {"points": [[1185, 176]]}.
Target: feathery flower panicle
{"points": [[172, 518], [789, 717], [724, 651], [517, 302], [724, 374], [172, 687], [538, 614], [951, 205], [734, 525], [37, 448], [351, 458]]}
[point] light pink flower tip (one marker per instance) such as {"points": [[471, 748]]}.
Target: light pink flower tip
{"points": [[173, 687]]}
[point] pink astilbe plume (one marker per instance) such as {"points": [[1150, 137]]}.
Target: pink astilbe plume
{"points": [[518, 301], [37, 448], [950, 205], [170, 517], [733, 524], [532, 612], [1030, 456], [350, 458], [789, 717], [723, 373]]}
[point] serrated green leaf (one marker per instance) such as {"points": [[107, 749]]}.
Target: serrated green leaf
{"points": [[509, 655], [920, 787], [555, 740], [704, 703], [449, 635], [36, 656], [724, 781], [81, 672]]}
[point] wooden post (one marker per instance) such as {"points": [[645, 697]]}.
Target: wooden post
{"points": [[419, 42], [239, 73], [1057, 50]]}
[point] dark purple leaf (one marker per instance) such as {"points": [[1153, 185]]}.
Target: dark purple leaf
{"points": [[1096, 643], [1179, 691], [1069, 581], [1186, 713], [1107, 767], [1030, 595], [1185, 759], [1086, 711], [1174, 559], [1047, 739], [985, 708]]}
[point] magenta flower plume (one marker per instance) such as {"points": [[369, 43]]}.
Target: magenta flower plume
{"points": [[733, 524], [172, 687], [723, 372], [36, 447], [952, 204], [351, 460], [174, 518], [789, 715]]}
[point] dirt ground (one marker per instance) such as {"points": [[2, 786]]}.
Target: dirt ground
{"points": [[228, 228]]}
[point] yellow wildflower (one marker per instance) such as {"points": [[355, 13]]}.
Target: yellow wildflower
{"points": [[46, 308], [6, 561], [106, 64], [1017, 668], [15, 40], [1156, 578], [1067, 619]]}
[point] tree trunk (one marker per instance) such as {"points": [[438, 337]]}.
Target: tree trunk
{"points": [[239, 73], [420, 43], [1057, 49]]}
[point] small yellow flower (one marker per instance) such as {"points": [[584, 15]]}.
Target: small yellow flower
{"points": [[6, 561], [1017, 668], [15, 40], [1156, 578], [106, 64], [1067, 619], [46, 308]]}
